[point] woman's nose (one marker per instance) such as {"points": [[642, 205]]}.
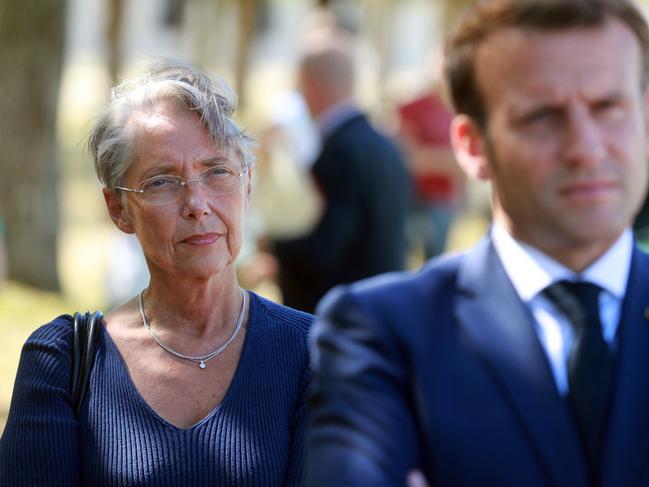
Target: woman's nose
{"points": [[195, 199]]}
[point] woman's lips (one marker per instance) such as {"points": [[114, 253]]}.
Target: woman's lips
{"points": [[203, 239]]}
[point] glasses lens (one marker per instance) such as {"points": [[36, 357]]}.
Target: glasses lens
{"points": [[160, 190], [220, 180]]}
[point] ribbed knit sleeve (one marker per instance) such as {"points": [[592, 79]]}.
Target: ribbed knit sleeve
{"points": [[39, 445], [298, 427], [297, 324], [255, 437]]}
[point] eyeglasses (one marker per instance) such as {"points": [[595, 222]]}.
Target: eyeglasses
{"points": [[165, 189]]}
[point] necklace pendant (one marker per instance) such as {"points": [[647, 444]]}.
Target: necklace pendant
{"points": [[202, 365]]}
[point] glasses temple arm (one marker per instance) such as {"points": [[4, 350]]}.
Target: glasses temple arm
{"points": [[140, 191]]}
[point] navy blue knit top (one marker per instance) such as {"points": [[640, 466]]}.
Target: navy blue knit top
{"points": [[255, 437]]}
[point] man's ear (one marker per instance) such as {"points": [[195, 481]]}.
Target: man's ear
{"points": [[117, 211], [469, 146]]}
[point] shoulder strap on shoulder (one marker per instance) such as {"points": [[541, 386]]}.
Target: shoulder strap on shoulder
{"points": [[86, 329]]}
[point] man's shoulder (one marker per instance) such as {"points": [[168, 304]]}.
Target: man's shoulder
{"points": [[642, 253], [359, 147], [436, 280], [357, 129], [438, 272], [640, 261]]}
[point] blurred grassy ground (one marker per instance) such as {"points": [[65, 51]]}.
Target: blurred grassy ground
{"points": [[22, 310]]}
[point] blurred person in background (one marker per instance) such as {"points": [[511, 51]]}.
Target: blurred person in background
{"points": [[438, 181], [286, 203], [362, 179], [524, 360], [285, 194], [195, 381]]}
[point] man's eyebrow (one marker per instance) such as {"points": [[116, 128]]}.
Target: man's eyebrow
{"points": [[613, 95], [525, 111]]}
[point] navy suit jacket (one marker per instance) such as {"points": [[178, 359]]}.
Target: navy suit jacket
{"points": [[362, 232], [442, 371]]}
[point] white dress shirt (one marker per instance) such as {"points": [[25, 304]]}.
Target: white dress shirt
{"points": [[531, 271]]}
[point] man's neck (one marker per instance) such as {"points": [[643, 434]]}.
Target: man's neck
{"points": [[532, 269]]}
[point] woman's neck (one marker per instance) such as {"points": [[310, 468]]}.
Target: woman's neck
{"points": [[193, 306]]}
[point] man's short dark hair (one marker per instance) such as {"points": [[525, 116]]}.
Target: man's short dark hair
{"points": [[488, 16]]}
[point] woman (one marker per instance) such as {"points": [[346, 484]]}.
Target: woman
{"points": [[195, 381]]}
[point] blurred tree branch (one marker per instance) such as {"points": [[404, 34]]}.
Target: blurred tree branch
{"points": [[114, 37], [248, 11]]}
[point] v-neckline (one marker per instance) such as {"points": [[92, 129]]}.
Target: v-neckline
{"points": [[234, 383]]}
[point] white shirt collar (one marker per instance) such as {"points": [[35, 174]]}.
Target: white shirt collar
{"points": [[336, 115], [531, 271]]}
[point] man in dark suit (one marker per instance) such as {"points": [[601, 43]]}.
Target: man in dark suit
{"points": [[363, 181], [524, 361]]}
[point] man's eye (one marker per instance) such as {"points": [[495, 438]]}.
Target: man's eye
{"points": [[608, 108], [541, 116]]}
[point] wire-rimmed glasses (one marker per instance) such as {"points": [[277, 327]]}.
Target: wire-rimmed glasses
{"points": [[164, 189]]}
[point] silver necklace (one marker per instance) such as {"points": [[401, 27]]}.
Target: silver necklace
{"points": [[199, 359]]}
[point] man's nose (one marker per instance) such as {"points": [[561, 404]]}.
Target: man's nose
{"points": [[585, 144]]}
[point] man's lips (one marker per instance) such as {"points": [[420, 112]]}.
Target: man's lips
{"points": [[202, 239], [589, 189]]}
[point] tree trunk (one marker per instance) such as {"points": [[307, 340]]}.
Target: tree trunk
{"points": [[32, 36]]}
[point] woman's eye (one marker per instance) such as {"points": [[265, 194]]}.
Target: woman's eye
{"points": [[218, 171], [159, 183]]}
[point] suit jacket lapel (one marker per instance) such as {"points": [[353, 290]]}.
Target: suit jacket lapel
{"points": [[500, 326], [626, 458]]}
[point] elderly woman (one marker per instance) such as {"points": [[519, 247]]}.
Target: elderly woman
{"points": [[195, 380]]}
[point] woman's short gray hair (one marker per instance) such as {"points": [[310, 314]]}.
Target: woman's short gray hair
{"points": [[111, 140]]}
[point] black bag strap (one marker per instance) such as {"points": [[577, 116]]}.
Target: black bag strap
{"points": [[86, 330]]}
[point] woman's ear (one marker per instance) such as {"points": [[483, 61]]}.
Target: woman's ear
{"points": [[470, 147], [117, 211]]}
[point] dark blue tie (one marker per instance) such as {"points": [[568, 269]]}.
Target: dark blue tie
{"points": [[589, 363]]}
